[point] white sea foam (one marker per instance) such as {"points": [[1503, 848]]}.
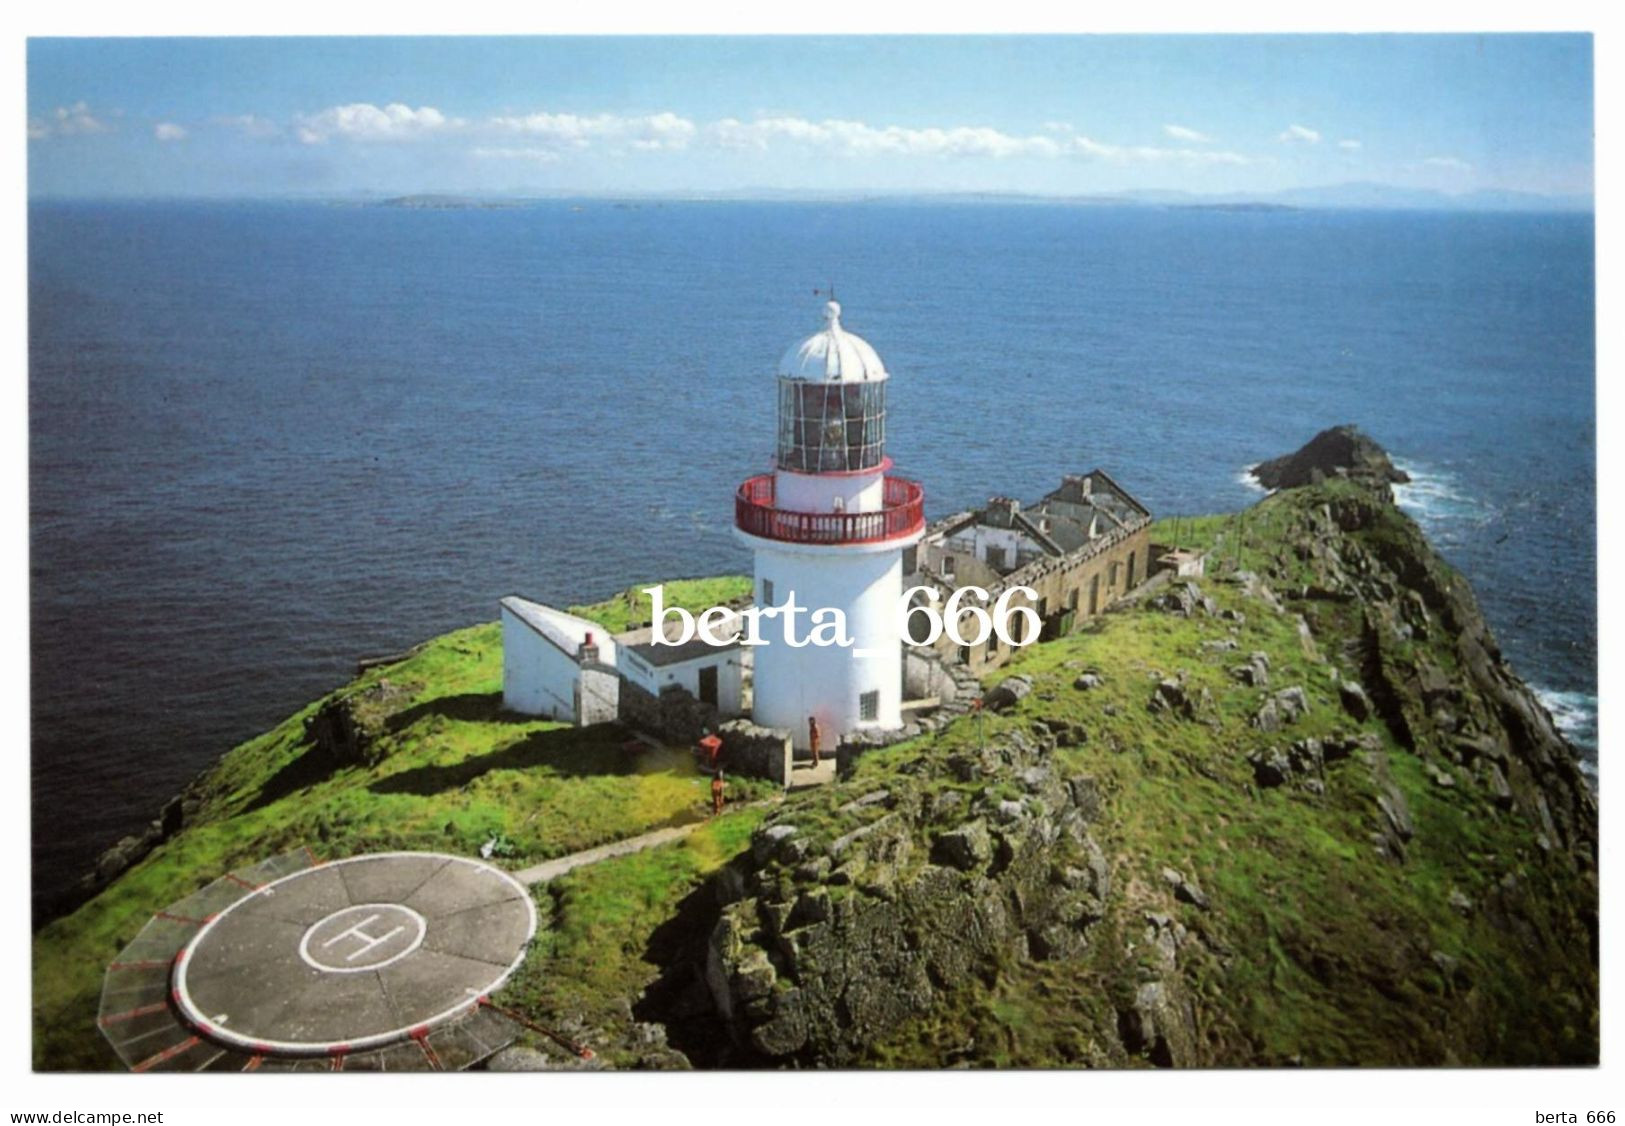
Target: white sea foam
{"points": [[1247, 480], [1575, 715], [1435, 498]]}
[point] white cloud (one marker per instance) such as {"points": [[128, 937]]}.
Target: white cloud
{"points": [[169, 131], [510, 153], [544, 136], [1350, 144], [249, 125], [859, 139], [654, 132], [66, 121], [856, 138], [1299, 133], [1184, 133], [1451, 163], [363, 121]]}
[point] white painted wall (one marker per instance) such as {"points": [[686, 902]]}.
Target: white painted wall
{"points": [[975, 540], [537, 677], [686, 674], [790, 684], [539, 666], [817, 492]]}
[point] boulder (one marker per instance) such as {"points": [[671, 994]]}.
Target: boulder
{"points": [[1170, 695], [968, 848], [1008, 691], [1292, 703], [1254, 673], [1354, 700], [1270, 766], [1185, 890]]}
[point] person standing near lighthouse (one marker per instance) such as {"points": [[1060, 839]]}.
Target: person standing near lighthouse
{"points": [[828, 528]]}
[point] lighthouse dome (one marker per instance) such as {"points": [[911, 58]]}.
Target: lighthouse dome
{"points": [[833, 355]]}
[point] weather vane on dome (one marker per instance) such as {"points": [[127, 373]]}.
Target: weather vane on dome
{"points": [[829, 292]]}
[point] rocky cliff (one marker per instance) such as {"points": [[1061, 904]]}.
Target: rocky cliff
{"points": [[1299, 812], [1341, 451]]}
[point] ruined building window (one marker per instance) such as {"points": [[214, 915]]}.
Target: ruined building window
{"points": [[869, 705], [995, 557]]}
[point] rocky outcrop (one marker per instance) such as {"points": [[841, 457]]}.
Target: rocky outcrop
{"points": [[1342, 451], [348, 728], [839, 935]]}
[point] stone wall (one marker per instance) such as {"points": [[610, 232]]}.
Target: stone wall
{"points": [[756, 752], [673, 717], [599, 699]]}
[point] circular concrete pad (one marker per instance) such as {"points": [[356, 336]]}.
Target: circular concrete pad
{"points": [[354, 954]]}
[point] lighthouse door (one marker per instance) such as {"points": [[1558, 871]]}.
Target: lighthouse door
{"points": [[708, 686]]}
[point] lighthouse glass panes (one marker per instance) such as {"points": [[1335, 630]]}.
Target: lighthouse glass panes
{"points": [[831, 427]]}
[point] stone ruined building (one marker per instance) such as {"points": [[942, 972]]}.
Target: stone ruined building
{"points": [[1081, 547]]}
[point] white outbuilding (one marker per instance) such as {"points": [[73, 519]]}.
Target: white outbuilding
{"points": [[565, 667]]}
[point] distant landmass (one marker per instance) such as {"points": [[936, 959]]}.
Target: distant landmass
{"points": [[1346, 197]]}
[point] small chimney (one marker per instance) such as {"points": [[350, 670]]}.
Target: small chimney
{"points": [[1001, 510], [588, 653]]}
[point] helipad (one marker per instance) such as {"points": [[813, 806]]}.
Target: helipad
{"points": [[354, 954]]}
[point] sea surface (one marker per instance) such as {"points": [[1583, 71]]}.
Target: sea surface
{"points": [[269, 438]]}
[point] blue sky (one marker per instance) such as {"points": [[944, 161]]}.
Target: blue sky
{"points": [[1050, 115]]}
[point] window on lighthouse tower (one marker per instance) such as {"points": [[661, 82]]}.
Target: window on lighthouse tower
{"points": [[869, 705]]}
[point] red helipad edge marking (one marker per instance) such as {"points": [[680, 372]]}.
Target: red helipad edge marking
{"points": [[315, 862], [144, 1010], [338, 1062], [168, 1053], [339, 1050], [581, 1050], [240, 882], [428, 1053], [253, 1063]]}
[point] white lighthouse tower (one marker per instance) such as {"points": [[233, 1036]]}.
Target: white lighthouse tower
{"points": [[829, 526]]}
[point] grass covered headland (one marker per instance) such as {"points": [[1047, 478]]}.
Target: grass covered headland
{"points": [[1297, 812]]}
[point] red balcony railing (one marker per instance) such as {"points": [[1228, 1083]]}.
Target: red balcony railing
{"points": [[902, 512]]}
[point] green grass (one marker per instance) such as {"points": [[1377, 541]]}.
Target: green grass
{"points": [[694, 595], [454, 771], [599, 944], [1319, 948]]}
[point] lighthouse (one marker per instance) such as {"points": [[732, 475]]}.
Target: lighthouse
{"points": [[828, 527]]}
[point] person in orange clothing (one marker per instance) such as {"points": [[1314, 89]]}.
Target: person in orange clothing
{"points": [[718, 784], [812, 737]]}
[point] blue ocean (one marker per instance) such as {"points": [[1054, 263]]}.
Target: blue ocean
{"points": [[269, 438]]}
